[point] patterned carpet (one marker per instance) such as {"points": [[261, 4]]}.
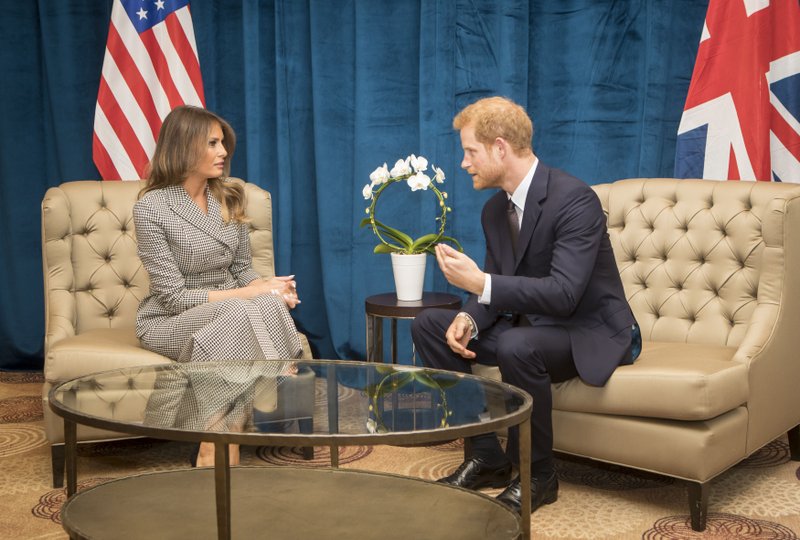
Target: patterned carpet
{"points": [[760, 498]]}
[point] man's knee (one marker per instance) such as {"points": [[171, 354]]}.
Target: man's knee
{"points": [[431, 322], [515, 350], [512, 345]]}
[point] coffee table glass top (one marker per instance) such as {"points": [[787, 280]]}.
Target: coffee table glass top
{"points": [[319, 401]]}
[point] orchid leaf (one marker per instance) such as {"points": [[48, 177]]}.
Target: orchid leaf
{"points": [[387, 248], [453, 241], [401, 237], [397, 239], [422, 240], [394, 234]]}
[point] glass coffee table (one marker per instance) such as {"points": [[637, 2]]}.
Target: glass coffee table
{"points": [[289, 403]]}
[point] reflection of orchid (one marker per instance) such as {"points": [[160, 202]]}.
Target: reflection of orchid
{"points": [[412, 170], [395, 378]]}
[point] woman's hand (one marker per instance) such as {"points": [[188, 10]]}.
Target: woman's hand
{"points": [[283, 286]]}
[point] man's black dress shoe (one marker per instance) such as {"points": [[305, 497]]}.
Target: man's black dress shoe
{"points": [[542, 492], [476, 474]]}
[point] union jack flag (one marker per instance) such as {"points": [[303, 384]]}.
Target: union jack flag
{"points": [[741, 120], [150, 67]]}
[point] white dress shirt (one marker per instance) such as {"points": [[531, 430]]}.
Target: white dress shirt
{"points": [[518, 198]]}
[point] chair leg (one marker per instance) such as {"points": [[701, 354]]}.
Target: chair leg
{"points": [[698, 504], [794, 443], [58, 457]]}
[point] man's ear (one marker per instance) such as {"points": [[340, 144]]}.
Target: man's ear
{"points": [[501, 147]]}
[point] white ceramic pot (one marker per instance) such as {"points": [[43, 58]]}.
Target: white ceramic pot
{"points": [[409, 275]]}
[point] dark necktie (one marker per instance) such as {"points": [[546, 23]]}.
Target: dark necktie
{"points": [[513, 224]]}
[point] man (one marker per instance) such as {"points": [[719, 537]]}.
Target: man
{"points": [[548, 305]]}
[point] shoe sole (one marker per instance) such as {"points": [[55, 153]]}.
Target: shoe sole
{"points": [[518, 509], [551, 500], [490, 484]]}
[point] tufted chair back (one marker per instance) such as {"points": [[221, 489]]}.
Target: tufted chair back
{"points": [[93, 276], [696, 257]]}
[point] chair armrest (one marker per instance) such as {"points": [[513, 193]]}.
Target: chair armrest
{"points": [[59, 301], [769, 346]]}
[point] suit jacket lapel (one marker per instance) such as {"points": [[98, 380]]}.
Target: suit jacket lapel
{"points": [[536, 194], [210, 223]]}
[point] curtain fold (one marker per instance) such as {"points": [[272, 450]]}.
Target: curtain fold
{"points": [[321, 93]]}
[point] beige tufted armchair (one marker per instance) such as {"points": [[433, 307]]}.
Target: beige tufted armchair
{"points": [[93, 283], [711, 272]]}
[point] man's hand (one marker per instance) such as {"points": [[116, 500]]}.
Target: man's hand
{"points": [[460, 270], [458, 335]]}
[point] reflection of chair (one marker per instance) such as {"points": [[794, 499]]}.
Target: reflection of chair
{"points": [[709, 269], [289, 400], [93, 282], [277, 408]]}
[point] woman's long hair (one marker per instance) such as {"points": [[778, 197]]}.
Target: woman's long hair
{"points": [[182, 142]]}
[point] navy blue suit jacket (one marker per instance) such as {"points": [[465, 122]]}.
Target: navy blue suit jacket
{"points": [[564, 272]]}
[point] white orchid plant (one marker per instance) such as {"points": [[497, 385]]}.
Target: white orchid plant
{"points": [[412, 171]]}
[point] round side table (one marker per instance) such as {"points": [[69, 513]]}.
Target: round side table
{"points": [[387, 306]]}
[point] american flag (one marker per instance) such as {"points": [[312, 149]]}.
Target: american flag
{"points": [[741, 120], [150, 67]]}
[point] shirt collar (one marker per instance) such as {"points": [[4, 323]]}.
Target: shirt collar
{"points": [[521, 193]]}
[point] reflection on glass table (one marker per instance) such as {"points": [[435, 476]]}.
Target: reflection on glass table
{"points": [[290, 403]]}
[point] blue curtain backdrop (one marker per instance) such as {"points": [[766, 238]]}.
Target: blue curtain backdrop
{"points": [[321, 93]]}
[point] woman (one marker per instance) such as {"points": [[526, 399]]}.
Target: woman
{"points": [[206, 302]]}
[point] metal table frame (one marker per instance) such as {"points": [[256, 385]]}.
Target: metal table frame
{"points": [[221, 440]]}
